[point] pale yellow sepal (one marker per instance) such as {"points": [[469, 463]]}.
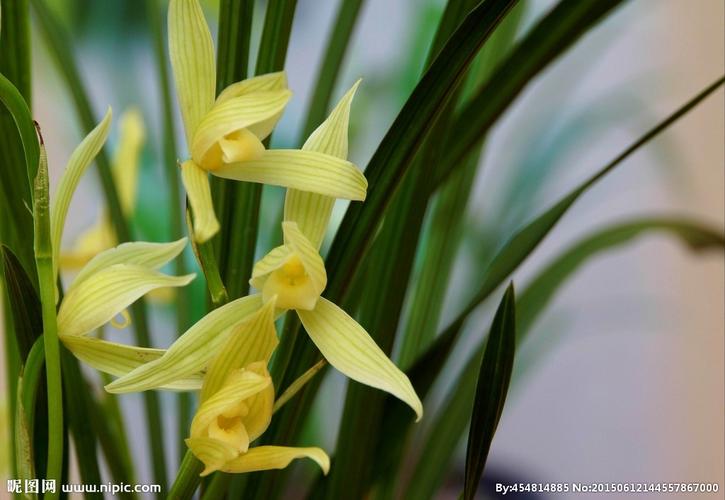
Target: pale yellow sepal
{"points": [[275, 457], [196, 183], [140, 253], [251, 341], [258, 112], [77, 164], [192, 351], [90, 243], [268, 264], [104, 294], [120, 359], [211, 452], [312, 211], [126, 160], [192, 59], [303, 170], [269, 81], [350, 349]]}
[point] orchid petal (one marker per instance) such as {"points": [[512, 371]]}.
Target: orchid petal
{"points": [[211, 452], [100, 297], [196, 183], [192, 351], [308, 254], [303, 170], [270, 81], [350, 349], [126, 160], [275, 457]]}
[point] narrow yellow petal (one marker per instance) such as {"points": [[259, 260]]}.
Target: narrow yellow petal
{"points": [[139, 253], [349, 348], [192, 351], [275, 457], [101, 296], [212, 453], [303, 170], [270, 262], [258, 111], [312, 211], [77, 164], [120, 359], [252, 340], [192, 59], [270, 81], [196, 183], [311, 259], [126, 160]]}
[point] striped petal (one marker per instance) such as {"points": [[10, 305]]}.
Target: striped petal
{"points": [[100, 297], [192, 351], [258, 112], [119, 359], [192, 60], [275, 457], [303, 170], [139, 253], [349, 348], [312, 211], [77, 164], [196, 183], [252, 340], [269, 263], [270, 81]]}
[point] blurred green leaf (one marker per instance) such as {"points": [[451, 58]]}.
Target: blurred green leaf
{"points": [[541, 290], [491, 390]]}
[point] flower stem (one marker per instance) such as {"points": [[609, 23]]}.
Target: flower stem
{"points": [[46, 281], [188, 479]]}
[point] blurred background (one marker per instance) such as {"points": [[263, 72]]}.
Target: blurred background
{"points": [[622, 379]]}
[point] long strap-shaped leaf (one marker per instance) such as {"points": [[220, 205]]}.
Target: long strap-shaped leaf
{"points": [[491, 389]]}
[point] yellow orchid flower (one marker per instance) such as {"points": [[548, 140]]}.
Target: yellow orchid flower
{"points": [[237, 401], [110, 281], [125, 174], [225, 134], [294, 276]]}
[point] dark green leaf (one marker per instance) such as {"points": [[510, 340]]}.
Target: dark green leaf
{"points": [[24, 302], [491, 389]]}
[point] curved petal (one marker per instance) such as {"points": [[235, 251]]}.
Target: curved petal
{"points": [[275, 457], [303, 170], [139, 253], [270, 81], [192, 351], [119, 359], [196, 183], [126, 160], [239, 386], [252, 340], [311, 259], [258, 111], [100, 297], [211, 452], [77, 164], [312, 211], [268, 264], [192, 60], [349, 348]]}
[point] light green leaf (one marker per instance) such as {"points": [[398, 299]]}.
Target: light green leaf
{"points": [[120, 359], [348, 347], [303, 170], [100, 297], [192, 351], [312, 211], [77, 164], [139, 253], [192, 59]]}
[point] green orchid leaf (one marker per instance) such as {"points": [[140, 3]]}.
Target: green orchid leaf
{"points": [[491, 389], [23, 441], [24, 302]]}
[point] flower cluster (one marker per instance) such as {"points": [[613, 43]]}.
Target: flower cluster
{"points": [[226, 353]]}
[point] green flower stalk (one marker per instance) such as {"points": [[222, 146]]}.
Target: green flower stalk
{"points": [[225, 134]]}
